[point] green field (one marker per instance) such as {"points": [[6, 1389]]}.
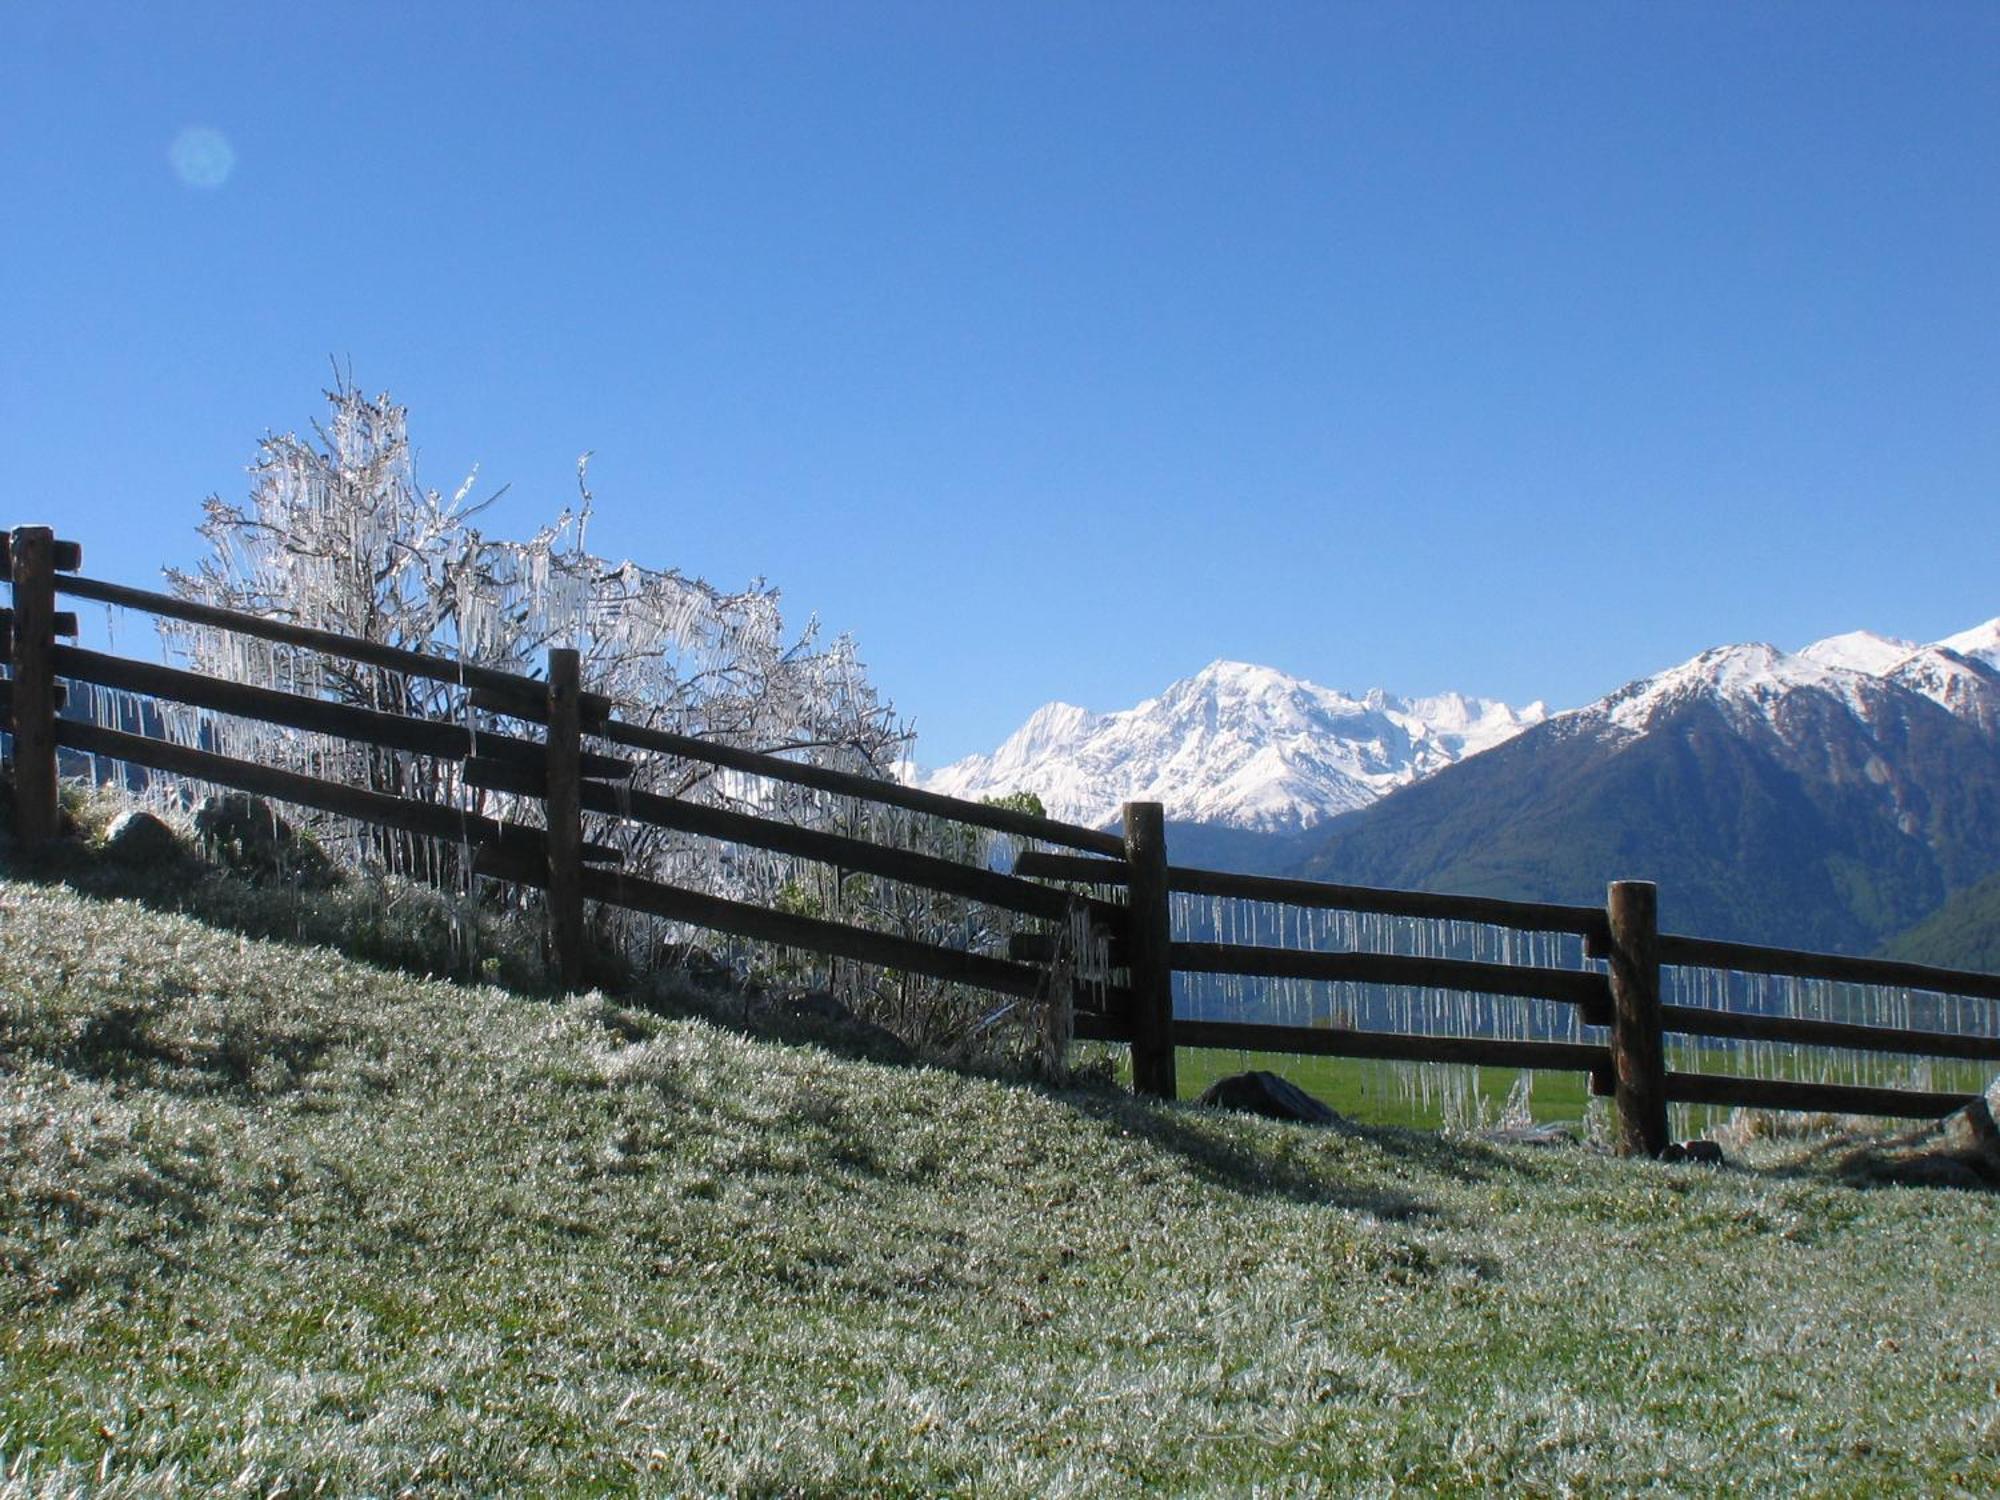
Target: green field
{"points": [[277, 1223], [1373, 1094]]}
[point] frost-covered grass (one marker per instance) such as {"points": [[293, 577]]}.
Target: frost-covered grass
{"points": [[273, 1222]]}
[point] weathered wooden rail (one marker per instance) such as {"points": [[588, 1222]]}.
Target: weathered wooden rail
{"points": [[1624, 998], [1121, 884], [556, 772]]}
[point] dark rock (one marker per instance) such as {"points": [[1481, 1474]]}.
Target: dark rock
{"points": [[247, 834], [137, 837], [1269, 1095], [1971, 1132]]}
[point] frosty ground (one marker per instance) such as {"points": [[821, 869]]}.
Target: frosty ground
{"points": [[278, 1222]]}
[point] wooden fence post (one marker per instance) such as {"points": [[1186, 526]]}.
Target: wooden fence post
{"points": [[1151, 962], [563, 807], [1638, 1046], [37, 814]]}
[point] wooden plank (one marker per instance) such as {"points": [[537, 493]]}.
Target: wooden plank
{"points": [[448, 824], [1570, 986], [1812, 1098], [562, 802], [59, 696], [509, 687], [1102, 1025], [1149, 951], [812, 934], [32, 703], [1695, 1020], [1527, 916], [1638, 1047], [266, 705], [522, 696], [1074, 869], [1338, 1041], [1042, 948], [527, 761], [988, 887], [868, 789], [1751, 958], [318, 715]]}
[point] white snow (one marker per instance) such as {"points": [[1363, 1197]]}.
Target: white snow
{"points": [[1980, 643], [1236, 744], [1750, 679], [1860, 651], [1251, 747], [1860, 668]]}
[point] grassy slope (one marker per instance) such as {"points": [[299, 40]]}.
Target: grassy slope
{"points": [[273, 1220]]}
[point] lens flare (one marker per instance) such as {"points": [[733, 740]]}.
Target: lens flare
{"points": [[202, 157]]}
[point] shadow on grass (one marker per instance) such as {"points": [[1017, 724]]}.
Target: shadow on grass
{"points": [[410, 930], [405, 930], [1205, 1141]]}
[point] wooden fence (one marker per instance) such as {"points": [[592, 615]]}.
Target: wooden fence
{"points": [[1623, 999]]}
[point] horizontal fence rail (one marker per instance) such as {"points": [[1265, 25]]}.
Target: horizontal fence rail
{"points": [[1749, 958], [508, 687], [1524, 916], [1113, 886], [428, 820], [555, 772], [1624, 997], [1812, 1098]]}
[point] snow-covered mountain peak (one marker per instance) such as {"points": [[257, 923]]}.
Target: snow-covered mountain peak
{"points": [[1860, 669], [1237, 744], [1251, 747], [1750, 678], [1981, 643], [1860, 651]]}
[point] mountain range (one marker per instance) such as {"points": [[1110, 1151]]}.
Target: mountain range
{"points": [[1834, 797], [1236, 746], [1829, 798]]}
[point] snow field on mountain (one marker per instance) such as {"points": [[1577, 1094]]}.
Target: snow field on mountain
{"points": [[1252, 748]]}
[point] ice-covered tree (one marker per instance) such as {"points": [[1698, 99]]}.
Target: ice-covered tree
{"points": [[337, 534]]}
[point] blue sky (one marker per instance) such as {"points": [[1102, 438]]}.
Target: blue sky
{"points": [[1055, 351]]}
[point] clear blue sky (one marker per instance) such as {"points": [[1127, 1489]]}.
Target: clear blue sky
{"points": [[1057, 350]]}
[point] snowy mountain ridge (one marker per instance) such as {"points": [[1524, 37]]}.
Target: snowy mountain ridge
{"points": [[1825, 798], [1252, 748], [1238, 745], [1753, 682]]}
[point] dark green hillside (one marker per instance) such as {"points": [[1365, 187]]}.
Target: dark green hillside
{"points": [[1964, 933], [1799, 840]]}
